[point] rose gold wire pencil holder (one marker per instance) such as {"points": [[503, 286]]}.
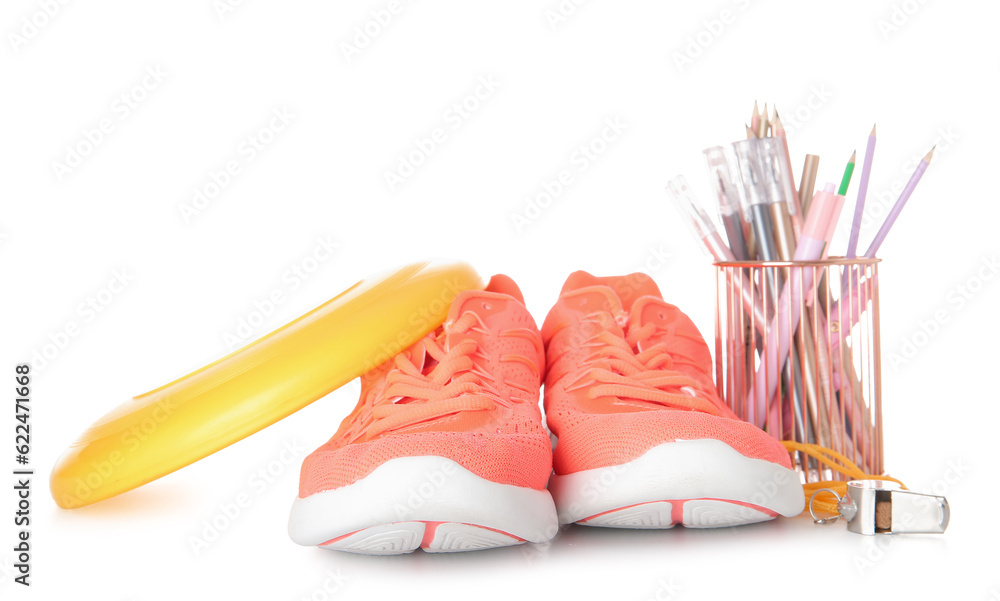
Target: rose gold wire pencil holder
{"points": [[797, 353]]}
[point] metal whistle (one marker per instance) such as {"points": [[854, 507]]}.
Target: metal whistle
{"points": [[883, 507]]}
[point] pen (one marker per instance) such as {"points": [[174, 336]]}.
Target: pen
{"points": [[826, 207], [728, 195], [704, 230], [752, 179], [780, 191], [795, 206]]}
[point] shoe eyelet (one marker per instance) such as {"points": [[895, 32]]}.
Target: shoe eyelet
{"points": [[487, 306]]}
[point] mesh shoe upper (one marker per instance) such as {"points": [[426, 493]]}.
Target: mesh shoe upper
{"points": [[467, 392], [626, 372]]}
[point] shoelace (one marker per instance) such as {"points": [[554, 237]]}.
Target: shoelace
{"points": [[645, 375], [836, 462], [455, 384]]}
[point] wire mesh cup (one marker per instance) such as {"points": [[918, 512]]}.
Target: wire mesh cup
{"points": [[797, 354]]}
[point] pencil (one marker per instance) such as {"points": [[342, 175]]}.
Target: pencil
{"points": [[848, 172], [859, 208], [807, 185], [779, 132], [900, 203], [762, 126]]}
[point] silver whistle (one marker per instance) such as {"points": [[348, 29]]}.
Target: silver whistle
{"points": [[883, 507]]}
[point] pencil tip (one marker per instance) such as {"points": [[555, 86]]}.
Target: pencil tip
{"points": [[751, 133], [873, 132], [854, 155], [930, 154]]}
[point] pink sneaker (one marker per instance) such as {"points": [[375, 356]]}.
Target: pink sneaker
{"points": [[643, 439], [445, 450]]}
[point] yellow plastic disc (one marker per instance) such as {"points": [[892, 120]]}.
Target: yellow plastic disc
{"points": [[175, 425]]}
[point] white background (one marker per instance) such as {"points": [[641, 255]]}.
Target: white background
{"points": [[929, 78]]}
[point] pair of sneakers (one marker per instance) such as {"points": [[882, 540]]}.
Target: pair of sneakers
{"points": [[446, 449]]}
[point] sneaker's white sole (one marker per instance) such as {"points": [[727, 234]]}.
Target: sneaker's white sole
{"points": [[697, 483], [427, 502]]}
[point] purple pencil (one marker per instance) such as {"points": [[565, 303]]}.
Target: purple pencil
{"points": [[859, 208], [900, 203]]}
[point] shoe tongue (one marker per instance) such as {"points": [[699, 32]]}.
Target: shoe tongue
{"points": [[625, 288], [592, 299], [486, 304], [650, 309], [676, 330], [500, 290]]}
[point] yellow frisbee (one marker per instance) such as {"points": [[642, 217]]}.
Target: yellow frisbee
{"points": [[207, 410]]}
